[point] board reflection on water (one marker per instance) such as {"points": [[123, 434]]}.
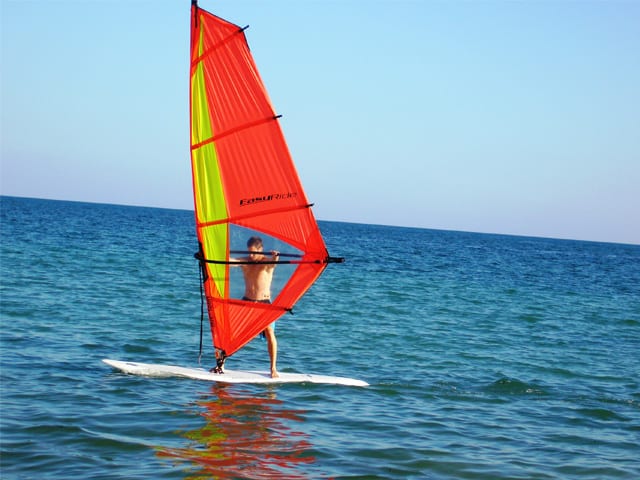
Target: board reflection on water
{"points": [[244, 436]]}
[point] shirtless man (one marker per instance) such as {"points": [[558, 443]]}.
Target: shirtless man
{"points": [[257, 288]]}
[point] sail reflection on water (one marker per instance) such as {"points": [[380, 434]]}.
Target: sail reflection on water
{"points": [[244, 436]]}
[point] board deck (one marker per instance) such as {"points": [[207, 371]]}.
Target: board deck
{"points": [[229, 376]]}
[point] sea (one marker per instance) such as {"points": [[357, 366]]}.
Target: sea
{"points": [[488, 356]]}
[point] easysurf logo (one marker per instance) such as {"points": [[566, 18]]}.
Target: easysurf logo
{"points": [[267, 198]]}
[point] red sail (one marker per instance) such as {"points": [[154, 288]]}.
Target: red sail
{"points": [[243, 176]]}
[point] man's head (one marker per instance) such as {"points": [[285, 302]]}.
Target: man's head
{"points": [[254, 244]]}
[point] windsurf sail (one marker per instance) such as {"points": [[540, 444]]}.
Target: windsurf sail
{"points": [[244, 181]]}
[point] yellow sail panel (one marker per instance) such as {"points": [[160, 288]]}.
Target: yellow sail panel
{"points": [[214, 240], [210, 205], [200, 121], [208, 190]]}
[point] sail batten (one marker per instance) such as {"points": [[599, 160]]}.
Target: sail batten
{"points": [[238, 219], [234, 130], [220, 44], [244, 182]]}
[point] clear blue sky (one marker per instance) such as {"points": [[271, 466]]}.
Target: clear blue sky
{"points": [[487, 116]]}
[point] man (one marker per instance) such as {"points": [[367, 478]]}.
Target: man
{"points": [[257, 288]]}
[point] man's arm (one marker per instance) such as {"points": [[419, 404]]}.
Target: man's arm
{"points": [[239, 262]]}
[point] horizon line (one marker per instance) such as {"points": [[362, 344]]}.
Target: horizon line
{"points": [[541, 237]]}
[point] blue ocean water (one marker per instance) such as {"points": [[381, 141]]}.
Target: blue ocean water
{"points": [[489, 357]]}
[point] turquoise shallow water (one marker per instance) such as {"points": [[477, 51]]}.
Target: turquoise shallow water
{"points": [[489, 357]]}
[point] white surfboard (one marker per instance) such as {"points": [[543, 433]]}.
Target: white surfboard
{"points": [[229, 376]]}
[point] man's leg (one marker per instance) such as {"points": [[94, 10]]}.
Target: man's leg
{"points": [[272, 346]]}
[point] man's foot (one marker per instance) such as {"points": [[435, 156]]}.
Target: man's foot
{"points": [[216, 370], [275, 374]]}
